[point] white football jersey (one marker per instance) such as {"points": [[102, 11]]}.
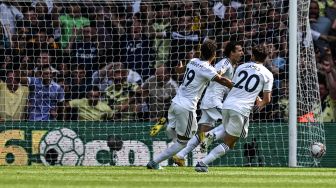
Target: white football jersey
{"points": [[214, 94], [249, 80], [196, 77]]}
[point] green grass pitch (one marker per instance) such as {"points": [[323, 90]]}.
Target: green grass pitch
{"points": [[99, 177]]}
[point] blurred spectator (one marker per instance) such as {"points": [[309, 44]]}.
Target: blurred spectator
{"points": [[324, 4], [105, 76], [56, 23], [275, 63], [327, 86], [29, 23], [137, 51], [72, 19], [117, 22], [44, 59], [183, 40], [318, 23], [160, 27], [104, 33], [45, 96], [146, 16], [280, 104], [90, 108], [63, 65], [121, 96], [2, 38], [273, 30], [41, 40], [9, 15], [208, 17], [13, 98], [48, 3], [316, 36], [78, 83], [83, 48], [6, 59], [27, 65], [18, 44], [157, 91]]}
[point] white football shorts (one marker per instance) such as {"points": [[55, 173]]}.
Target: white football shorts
{"points": [[210, 116], [235, 123], [183, 120]]}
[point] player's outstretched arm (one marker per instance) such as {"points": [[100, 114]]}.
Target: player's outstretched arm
{"points": [[261, 103], [224, 81]]}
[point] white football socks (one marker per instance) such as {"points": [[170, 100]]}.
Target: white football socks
{"points": [[218, 131], [169, 152], [192, 144], [217, 152]]}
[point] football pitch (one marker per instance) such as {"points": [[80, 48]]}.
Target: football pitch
{"points": [[98, 177]]}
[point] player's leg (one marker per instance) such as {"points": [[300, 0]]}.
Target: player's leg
{"points": [[237, 127], [170, 130], [220, 150], [171, 133], [179, 158], [185, 127], [213, 135], [206, 123]]}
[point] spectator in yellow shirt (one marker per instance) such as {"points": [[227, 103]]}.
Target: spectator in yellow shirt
{"points": [[91, 108], [13, 98]]}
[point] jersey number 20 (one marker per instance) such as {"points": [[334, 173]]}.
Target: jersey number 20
{"points": [[189, 75], [247, 83]]}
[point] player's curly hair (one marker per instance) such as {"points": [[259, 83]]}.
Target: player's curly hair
{"points": [[208, 49], [260, 53]]}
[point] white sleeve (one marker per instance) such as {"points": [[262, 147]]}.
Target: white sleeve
{"points": [[268, 82], [208, 72], [221, 68], [17, 13], [316, 35], [219, 10], [133, 77]]}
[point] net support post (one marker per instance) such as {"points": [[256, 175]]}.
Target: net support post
{"points": [[293, 58]]}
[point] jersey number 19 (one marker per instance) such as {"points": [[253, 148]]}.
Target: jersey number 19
{"points": [[189, 75]]}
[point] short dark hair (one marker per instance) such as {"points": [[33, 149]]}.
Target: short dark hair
{"points": [[208, 49], [231, 47], [259, 53]]}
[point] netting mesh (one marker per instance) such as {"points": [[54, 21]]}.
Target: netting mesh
{"points": [[113, 61]]}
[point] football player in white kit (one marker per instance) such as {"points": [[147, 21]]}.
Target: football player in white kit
{"points": [[182, 111], [212, 101], [249, 80]]}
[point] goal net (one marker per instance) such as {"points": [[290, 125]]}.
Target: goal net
{"points": [[82, 82]]}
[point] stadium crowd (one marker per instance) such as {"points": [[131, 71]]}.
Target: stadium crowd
{"points": [[114, 60]]}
